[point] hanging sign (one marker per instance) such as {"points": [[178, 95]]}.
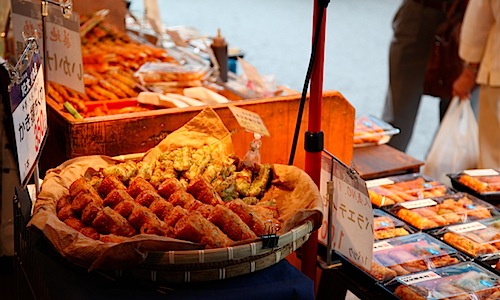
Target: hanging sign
{"points": [[29, 114], [26, 18], [352, 217], [63, 49], [249, 120]]}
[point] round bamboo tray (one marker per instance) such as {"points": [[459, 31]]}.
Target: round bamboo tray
{"points": [[213, 264]]}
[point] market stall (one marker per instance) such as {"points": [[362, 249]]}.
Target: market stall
{"points": [[133, 136]]}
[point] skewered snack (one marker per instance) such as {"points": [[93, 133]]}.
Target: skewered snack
{"points": [[386, 226], [448, 210], [408, 189], [475, 238], [481, 184], [409, 254], [459, 282], [369, 130]]}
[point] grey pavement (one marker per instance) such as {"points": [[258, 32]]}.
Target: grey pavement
{"points": [[276, 38]]}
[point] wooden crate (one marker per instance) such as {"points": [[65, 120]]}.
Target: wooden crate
{"points": [[137, 132]]}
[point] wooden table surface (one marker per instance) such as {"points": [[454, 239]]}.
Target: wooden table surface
{"points": [[383, 160]]}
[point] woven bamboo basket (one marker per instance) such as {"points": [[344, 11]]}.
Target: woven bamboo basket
{"points": [[213, 264]]}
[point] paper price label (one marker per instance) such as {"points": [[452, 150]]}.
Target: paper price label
{"points": [[381, 246], [466, 227], [249, 120], [481, 172], [418, 203], [378, 182], [420, 277]]}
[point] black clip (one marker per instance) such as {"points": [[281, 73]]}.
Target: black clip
{"points": [[270, 239]]}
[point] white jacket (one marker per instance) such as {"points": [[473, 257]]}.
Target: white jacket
{"points": [[480, 39]]}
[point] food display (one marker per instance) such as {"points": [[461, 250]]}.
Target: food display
{"points": [[386, 226], [188, 192], [110, 59], [483, 183], [443, 211], [465, 280], [410, 254], [474, 238], [369, 130], [397, 189], [198, 195]]}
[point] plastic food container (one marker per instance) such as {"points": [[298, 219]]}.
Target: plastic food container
{"points": [[474, 238], [370, 130], [397, 189], [465, 280], [408, 254], [443, 211], [386, 226], [482, 183]]}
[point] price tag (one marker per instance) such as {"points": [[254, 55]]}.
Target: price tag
{"points": [[29, 114], [481, 172], [418, 203], [249, 120], [466, 227], [378, 182], [420, 277], [352, 215], [26, 18], [381, 246], [63, 53]]}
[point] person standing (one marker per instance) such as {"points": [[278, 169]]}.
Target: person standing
{"points": [[414, 26], [479, 47]]}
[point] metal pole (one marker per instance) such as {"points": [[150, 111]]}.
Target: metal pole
{"points": [[313, 159]]}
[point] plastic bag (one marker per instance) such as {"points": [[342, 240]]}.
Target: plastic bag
{"points": [[455, 146]]}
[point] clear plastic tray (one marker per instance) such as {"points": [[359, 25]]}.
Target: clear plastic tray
{"points": [[370, 130], [474, 238], [466, 280], [482, 183], [408, 254], [397, 189], [386, 226], [443, 211]]}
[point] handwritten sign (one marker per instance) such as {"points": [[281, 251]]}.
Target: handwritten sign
{"points": [[26, 19], [29, 114], [352, 218], [63, 53], [249, 120]]}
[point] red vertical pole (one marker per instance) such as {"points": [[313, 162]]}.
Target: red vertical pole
{"points": [[313, 159]]}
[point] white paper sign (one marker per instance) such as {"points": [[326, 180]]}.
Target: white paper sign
{"points": [[249, 120], [352, 215], [26, 18], [29, 114], [63, 53]]}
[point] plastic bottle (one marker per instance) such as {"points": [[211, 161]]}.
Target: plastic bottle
{"points": [[219, 47]]}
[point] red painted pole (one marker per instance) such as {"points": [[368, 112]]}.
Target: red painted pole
{"points": [[313, 159]]}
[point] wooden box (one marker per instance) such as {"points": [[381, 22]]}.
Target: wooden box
{"points": [[138, 132]]}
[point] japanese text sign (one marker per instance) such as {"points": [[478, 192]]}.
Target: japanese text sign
{"points": [[26, 18], [29, 114], [352, 218], [63, 49], [249, 120]]}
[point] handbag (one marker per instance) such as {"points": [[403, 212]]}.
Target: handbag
{"points": [[444, 64], [455, 146]]}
